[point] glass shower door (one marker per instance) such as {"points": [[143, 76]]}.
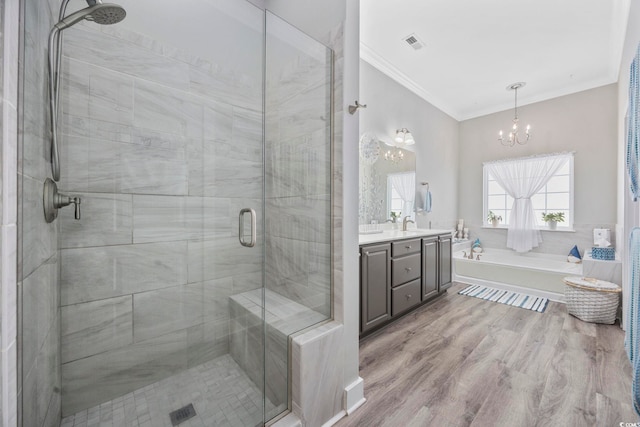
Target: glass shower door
{"points": [[148, 307], [298, 114]]}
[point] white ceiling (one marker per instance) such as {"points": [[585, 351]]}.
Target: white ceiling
{"points": [[474, 49]]}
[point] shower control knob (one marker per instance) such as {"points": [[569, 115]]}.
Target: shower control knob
{"points": [[76, 201], [53, 201]]}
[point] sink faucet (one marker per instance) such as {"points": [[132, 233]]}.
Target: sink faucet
{"points": [[405, 221], [471, 254]]}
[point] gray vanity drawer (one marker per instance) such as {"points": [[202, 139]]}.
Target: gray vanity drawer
{"points": [[404, 297], [405, 269], [405, 247]]}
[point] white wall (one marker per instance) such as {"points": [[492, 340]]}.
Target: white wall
{"points": [[391, 106], [584, 122]]}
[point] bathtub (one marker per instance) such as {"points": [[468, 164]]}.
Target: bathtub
{"points": [[536, 274]]}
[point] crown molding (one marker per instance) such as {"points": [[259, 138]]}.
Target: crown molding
{"points": [[370, 56]]}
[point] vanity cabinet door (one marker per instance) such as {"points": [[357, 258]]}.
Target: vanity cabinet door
{"points": [[429, 267], [444, 252], [375, 285]]}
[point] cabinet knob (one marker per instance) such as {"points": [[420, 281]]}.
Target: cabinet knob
{"points": [[408, 246], [408, 297], [408, 269]]}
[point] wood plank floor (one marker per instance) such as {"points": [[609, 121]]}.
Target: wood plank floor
{"points": [[462, 361]]}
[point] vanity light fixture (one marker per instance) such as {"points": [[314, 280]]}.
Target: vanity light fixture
{"points": [[403, 137], [513, 135]]}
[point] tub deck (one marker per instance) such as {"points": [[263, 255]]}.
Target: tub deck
{"points": [[535, 274]]}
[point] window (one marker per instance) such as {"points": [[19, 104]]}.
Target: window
{"points": [[395, 201], [401, 191], [555, 196]]}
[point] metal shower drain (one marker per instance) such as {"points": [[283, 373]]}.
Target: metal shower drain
{"points": [[183, 414]]}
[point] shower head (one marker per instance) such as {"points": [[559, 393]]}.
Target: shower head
{"points": [[100, 13]]}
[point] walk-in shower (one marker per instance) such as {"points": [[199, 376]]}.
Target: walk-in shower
{"points": [[199, 142]]}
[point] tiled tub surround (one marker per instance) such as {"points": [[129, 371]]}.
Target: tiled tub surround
{"points": [[164, 148]]}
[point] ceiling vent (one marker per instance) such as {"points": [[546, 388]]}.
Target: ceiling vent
{"points": [[412, 40]]}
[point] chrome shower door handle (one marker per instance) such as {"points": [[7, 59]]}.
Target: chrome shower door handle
{"points": [[252, 242]]}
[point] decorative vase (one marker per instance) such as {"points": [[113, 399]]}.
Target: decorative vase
{"points": [[495, 222], [553, 225]]}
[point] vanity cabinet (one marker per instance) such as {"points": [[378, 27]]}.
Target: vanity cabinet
{"points": [[399, 275], [375, 285]]}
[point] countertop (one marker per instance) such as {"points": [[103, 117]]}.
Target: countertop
{"points": [[390, 235]]}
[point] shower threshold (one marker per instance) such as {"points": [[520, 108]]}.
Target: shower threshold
{"points": [[221, 394]]}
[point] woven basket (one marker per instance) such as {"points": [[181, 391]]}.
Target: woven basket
{"points": [[591, 304]]}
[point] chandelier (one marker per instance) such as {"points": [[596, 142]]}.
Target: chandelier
{"points": [[402, 139], [394, 156], [513, 135]]}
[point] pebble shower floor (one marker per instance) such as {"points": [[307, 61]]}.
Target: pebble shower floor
{"points": [[220, 391]]}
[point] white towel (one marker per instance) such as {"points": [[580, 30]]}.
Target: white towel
{"points": [[427, 201]]}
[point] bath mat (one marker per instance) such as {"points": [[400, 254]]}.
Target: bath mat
{"points": [[515, 299]]}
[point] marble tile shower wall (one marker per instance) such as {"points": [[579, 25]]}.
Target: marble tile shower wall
{"points": [[38, 260], [9, 40], [298, 174], [164, 148]]}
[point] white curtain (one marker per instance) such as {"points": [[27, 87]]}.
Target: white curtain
{"points": [[521, 179], [405, 185]]}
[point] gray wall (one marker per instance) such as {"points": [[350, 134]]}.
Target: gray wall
{"points": [[38, 265], [583, 122], [391, 106]]}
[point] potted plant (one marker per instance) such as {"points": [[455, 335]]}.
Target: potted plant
{"points": [[395, 216], [552, 219], [493, 218]]}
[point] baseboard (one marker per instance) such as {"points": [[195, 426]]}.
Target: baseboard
{"points": [[552, 296], [354, 396]]}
